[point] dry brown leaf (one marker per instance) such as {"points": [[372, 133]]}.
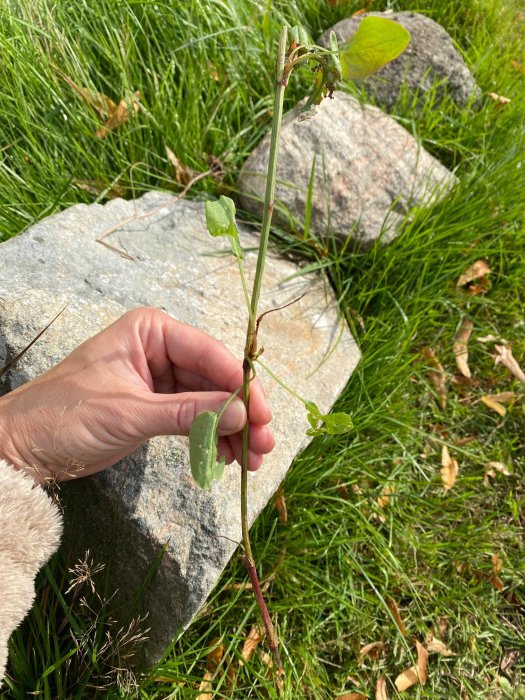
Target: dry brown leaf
{"points": [[280, 506], [499, 99], [373, 650], [381, 693], [496, 564], [496, 582], [487, 338], [392, 606], [498, 467], [214, 657], [183, 174], [422, 662], [449, 469], [205, 687], [119, 115], [494, 405], [461, 347], [436, 375], [406, 679], [505, 357], [436, 646], [384, 499], [414, 674], [351, 696], [518, 66], [474, 272], [251, 643], [504, 396]]}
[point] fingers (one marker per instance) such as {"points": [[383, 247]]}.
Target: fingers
{"points": [[173, 414], [180, 354]]}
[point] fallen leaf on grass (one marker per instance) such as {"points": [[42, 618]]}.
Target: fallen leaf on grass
{"points": [[213, 659], [351, 696], [518, 66], [251, 643], [183, 174], [474, 272], [449, 469], [487, 338], [496, 563], [494, 405], [381, 689], [414, 674], [498, 467], [267, 660], [436, 375], [461, 347], [490, 471], [392, 606], [499, 99], [436, 646], [373, 650], [280, 506], [505, 357], [119, 115], [114, 115], [384, 499], [205, 687]]}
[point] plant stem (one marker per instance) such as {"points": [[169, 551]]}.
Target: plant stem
{"points": [[250, 349]]}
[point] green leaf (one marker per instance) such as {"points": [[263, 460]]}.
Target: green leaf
{"points": [[337, 423], [331, 423], [220, 220], [299, 36], [220, 216], [203, 449], [376, 42]]}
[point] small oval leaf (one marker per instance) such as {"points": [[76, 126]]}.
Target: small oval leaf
{"points": [[203, 449], [376, 42]]}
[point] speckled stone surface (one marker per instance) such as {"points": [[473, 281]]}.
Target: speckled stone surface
{"points": [[144, 516], [431, 59], [370, 173]]}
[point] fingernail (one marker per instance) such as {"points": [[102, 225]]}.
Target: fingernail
{"points": [[234, 417]]}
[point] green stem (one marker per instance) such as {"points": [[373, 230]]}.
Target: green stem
{"points": [[250, 349], [280, 382]]}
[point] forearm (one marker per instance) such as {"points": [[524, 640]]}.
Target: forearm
{"points": [[30, 530]]}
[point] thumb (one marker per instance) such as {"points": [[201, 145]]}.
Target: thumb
{"points": [[173, 414]]}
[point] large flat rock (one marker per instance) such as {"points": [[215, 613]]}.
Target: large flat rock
{"points": [[370, 173], [430, 63], [145, 514]]}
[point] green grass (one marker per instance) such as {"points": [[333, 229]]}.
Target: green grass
{"points": [[344, 554]]}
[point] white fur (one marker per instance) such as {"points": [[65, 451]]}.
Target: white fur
{"points": [[30, 530]]}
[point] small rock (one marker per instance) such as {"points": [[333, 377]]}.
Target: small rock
{"points": [[429, 59], [145, 517], [369, 172]]}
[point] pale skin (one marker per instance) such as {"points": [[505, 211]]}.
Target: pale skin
{"points": [[145, 375]]}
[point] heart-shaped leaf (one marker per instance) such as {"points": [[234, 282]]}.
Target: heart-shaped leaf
{"points": [[376, 42]]}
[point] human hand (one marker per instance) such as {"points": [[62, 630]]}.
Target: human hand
{"points": [[145, 375]]}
